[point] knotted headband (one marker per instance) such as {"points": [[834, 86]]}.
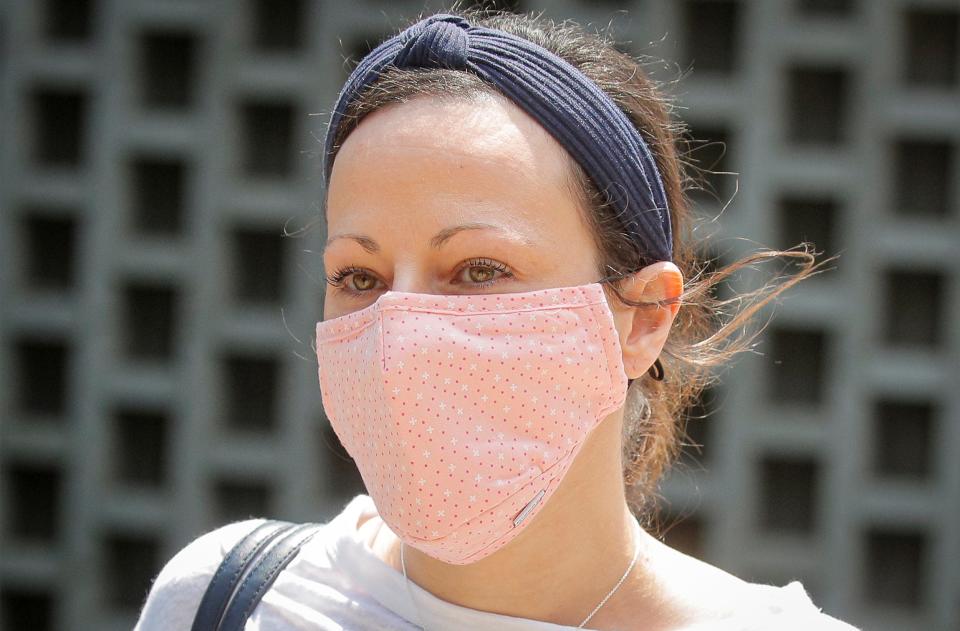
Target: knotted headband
{"points": [[567, 103]]}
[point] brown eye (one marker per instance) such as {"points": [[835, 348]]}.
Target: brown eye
{"points": [[481, 274], [362, 282]]}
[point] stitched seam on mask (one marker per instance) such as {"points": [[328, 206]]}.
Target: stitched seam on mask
{"points": [[565, 456], [334, 337], [359, 327], [608, 351], [569, 457], [383, 357], [490, 312]]}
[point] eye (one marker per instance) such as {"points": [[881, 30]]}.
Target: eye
{"points": [[483, 272], [360, 280], [477, 272]]}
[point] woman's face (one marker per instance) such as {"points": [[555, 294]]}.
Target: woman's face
{"points": [[452, 197]]}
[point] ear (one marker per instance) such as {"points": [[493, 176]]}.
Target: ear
{"points": [[643, 330]]}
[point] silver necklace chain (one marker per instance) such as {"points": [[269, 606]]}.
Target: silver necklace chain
{"points": [[636, 555]]}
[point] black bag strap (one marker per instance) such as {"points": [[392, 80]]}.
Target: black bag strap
{"points": [[263, 573], [246, 572], [231, 570]]}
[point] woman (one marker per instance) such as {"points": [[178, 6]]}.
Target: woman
{"points": [[507, 344]]}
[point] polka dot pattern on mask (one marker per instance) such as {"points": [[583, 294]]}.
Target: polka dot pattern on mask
{"points": [[460, 409]]}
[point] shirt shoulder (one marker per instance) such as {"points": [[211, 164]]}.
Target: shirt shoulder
{"points": [[177, 590], [797, 602], [787, 608], [721, 601]]}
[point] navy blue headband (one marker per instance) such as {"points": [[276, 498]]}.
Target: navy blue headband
{"points": [[581, 116]]}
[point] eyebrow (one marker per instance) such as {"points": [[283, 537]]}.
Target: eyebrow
{"points": [[438, 239]]}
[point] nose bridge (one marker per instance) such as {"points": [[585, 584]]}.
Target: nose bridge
{"points": [[412, 276]]}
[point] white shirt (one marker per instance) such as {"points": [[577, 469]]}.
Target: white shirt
{"points": [[336, 582]]}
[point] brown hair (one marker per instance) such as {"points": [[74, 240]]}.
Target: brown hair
{"points": [[700, 338]]}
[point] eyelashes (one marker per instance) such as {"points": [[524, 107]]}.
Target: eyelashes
{"points": [[338, 279]]}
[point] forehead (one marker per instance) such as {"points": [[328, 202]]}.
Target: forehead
{"points": [[413, 170], [455, 138]]}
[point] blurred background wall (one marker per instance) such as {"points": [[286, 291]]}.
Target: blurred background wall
{"points": [[155, 325]]}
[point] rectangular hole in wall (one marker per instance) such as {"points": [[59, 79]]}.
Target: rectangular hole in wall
{"points": [[629, 48], [258, 265], [50, 250], [158, 194], [932, 42], [168, 66], [812, 219], [33, 492], [789, 487], [140, 453], [25, 608], [699, 420], [512, 6], [130, 562], [340, 477], [711, 36], [817, 105], [713, 261], [278, 25], [895, 571], [923, 177], [601, 4], [914, 305], [685, 533], [251, 392], [797, 365], [357, 46], [904, 434], [150, 321], [236, 500], [711, 157], [59, 126], [42, 376], [826, 8], [67, 20], [267, 133]]}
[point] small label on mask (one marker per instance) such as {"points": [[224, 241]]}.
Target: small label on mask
{"points": [[528, 508]]}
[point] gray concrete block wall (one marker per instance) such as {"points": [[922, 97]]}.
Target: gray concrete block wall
{"points": [[155, 327]]}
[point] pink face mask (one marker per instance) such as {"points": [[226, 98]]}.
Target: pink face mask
{"points": [[464, 412]]}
